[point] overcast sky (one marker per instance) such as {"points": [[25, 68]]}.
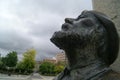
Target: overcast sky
{"points": [[26, 24]]}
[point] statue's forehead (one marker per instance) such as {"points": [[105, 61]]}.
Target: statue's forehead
{"points": [[85, 15]]}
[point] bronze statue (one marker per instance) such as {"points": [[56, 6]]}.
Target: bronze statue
{"points": [[91, 44]]}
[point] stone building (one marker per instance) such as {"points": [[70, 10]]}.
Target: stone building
{"points": [[51, 60], [60, 57]]}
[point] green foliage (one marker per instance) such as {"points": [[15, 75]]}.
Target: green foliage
{"points": [[58, 69], [20, 68], [11, 59], [47, 68], [25, 66], [3, 62], [28, 62], [8, 62], [63, 63], [20, 65], [29, 59]]}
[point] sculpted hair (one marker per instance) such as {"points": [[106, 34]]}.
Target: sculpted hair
{"points": [[111, 52]]}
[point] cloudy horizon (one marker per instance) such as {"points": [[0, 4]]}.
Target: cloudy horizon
{"points": [[26, 24]]}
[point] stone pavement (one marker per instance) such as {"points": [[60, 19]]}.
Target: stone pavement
{"points": [[35, 76], [47, 78]]}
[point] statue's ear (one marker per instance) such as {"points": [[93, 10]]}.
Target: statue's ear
{"points": [[113, 39]]}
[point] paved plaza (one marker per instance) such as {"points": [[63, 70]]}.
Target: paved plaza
{"points": [[35, 76]]}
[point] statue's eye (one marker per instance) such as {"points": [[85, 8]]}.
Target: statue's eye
{"points": [[79, 17], [88, 22]]}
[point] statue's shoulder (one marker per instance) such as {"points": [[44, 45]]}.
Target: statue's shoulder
{"points": [[111, 75]]}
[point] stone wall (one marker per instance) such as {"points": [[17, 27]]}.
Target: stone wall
{"points": [[112, 9]]}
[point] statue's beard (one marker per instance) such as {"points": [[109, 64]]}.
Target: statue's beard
{"points": [[68, 39]]}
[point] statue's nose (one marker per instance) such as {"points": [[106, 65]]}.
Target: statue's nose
{"points": [[69, 20]]}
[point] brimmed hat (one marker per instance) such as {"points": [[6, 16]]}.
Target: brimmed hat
{"points": [[113, 39]]}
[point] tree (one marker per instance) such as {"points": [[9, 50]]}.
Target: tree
{"points": [[28, 61], [59, 68], [11, 59], [1, 63], [62, 63], [20, 67], [47, 68]]}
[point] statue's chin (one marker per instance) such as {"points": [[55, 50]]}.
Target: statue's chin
{"points": [[58, 34], [58, 39], [66, 39]]}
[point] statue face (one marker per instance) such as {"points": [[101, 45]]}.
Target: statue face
{"points": [[77, 32]]}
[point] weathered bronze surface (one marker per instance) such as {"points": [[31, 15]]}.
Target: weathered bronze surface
{"points": [[91, 44]]}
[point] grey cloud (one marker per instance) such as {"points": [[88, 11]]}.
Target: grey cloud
{"points": [[38, 30], [14, 41], [30, 23], [63, 7]]}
